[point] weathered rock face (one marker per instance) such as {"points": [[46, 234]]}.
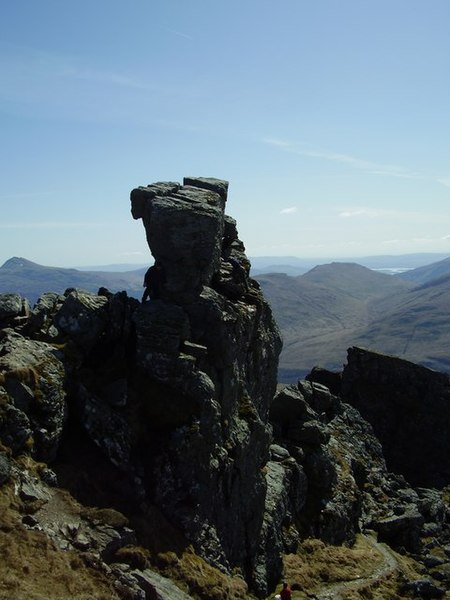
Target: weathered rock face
{"points": [[33, 399], [347, 487], [315, 428], [212, 340], [409, 408], [184, 227], [174, 392], [13, 310]]}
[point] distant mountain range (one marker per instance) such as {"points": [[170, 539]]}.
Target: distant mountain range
{"points": [[321, 312], [292, 265], [31, 280], [335, 306]]}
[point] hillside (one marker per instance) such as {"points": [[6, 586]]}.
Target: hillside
{"points": [[320, 313], [417, 327], [354, 280], [335, 306], [427, 273], [293, 265], [22, 276]]}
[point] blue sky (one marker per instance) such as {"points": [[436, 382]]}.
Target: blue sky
{"points": [[329, 118]]}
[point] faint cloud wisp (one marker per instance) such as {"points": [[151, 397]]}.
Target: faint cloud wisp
{"points": [[444, 181], [358, 163], [416, 240], [176, 33], [371, 213]]}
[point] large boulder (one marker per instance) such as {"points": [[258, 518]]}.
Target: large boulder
{"points": [[14, 310], [184, 227], [82, 317], [401, 531]]}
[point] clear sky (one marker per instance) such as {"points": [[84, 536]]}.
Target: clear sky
{"points": [[330, 119]]}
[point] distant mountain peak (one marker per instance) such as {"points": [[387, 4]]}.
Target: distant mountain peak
{"points": [[17, 262]]}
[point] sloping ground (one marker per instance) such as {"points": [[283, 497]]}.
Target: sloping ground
{"points": [[328, 298], [300, 305], [54, 548], [355, 281], [367, 570], [321, 312], [32, 567], [381, 573], [416, 328], [427, 273], [329, 309], [35, 565]]}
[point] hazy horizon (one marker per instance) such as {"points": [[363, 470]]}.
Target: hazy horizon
{"points": [[405, 260]]}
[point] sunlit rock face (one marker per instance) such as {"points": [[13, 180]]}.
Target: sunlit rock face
{"points": [[184, 227], [33, 404]]}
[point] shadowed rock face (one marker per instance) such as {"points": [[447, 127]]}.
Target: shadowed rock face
{"points": [[409, 408], [174, 392], [213, 341]]}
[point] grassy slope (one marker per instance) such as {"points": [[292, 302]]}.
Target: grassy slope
{"points": [[317, 569], [33, 568]]}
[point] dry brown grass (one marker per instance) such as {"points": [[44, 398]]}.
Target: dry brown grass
{"points": [[317, 565], [27, 375], [33, 568], [109, 516], [135, 556], [201, 579]]}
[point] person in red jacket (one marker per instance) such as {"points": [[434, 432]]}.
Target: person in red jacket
{"points": [[286, 593]]}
